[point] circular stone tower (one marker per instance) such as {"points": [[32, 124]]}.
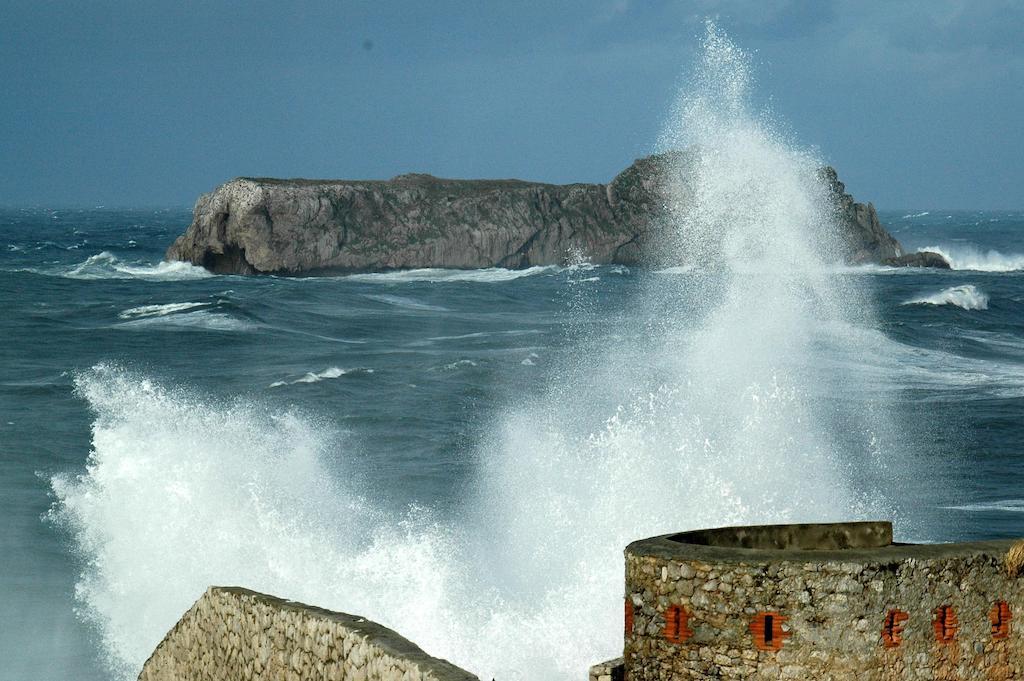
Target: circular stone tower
{"points": [[830, 601]]}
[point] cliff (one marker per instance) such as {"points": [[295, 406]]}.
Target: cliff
{"points": [[261, 225], [866, 240]]}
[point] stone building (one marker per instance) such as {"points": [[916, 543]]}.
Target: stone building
{"points": [[835, 601], [830, 601]]}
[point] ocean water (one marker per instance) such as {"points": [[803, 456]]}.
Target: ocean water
{"points": [[462, 456], [225, 404]]}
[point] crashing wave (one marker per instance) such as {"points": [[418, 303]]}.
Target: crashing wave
{"points": [[967, 297], [181, 492], [971, 258], [106, 265]]}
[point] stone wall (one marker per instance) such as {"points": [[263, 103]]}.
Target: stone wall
{"points": [[820, 602], [237, 634]]}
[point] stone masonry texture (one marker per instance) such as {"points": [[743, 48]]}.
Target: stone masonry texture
{"points": [[237, 634], [838, 602]]}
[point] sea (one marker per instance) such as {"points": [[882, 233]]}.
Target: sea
{"points": [[162, 428], [462, 456]]}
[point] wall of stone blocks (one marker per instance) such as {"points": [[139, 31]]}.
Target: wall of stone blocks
{"points": [[894, 612], [610, 670], [234, 633]]}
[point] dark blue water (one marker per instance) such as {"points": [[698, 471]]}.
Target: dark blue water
{"points": [[412, 370]]}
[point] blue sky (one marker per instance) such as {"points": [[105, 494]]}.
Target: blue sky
{"points": [[917, 103]]}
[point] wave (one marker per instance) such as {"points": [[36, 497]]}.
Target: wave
{"points": [[967, 297], [158, 310], [312, 377], [971, 258], [463, 336], [172, 477], [200, 319], [437, 275], [1006, 342], [407, 303], [937, 374], [1005, 506], [106, 265], [456, 365], [180, 492], [916, 215]]}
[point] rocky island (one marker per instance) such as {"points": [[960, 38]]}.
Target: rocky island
{"points": [[295, 227]]}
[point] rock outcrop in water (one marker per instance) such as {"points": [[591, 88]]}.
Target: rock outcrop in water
{"points": [[260, 225], [919, 259]]}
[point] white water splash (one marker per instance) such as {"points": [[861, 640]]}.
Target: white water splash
{"points": [[719, 414], [106, 265], [973, 258], [180, 493]]}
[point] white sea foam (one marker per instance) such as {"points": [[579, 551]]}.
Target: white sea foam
{"points": [[333, 372], [526, 581], [316, 377], [916, 215], [488, 275], [459, 364], [158, 310], [1004, 506], [972, 258], [197, 319], [967, 297], [106, 265]]}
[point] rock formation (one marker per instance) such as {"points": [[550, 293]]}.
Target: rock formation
{"points": [[920, 259], [260, 225]]}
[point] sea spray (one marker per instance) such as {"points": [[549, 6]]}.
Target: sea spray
{"points": [[726, 416], [180, 493], [710, 406], [106, 265], [965, 257]]}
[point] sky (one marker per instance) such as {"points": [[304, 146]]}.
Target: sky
{"points": [[917, 103]]}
